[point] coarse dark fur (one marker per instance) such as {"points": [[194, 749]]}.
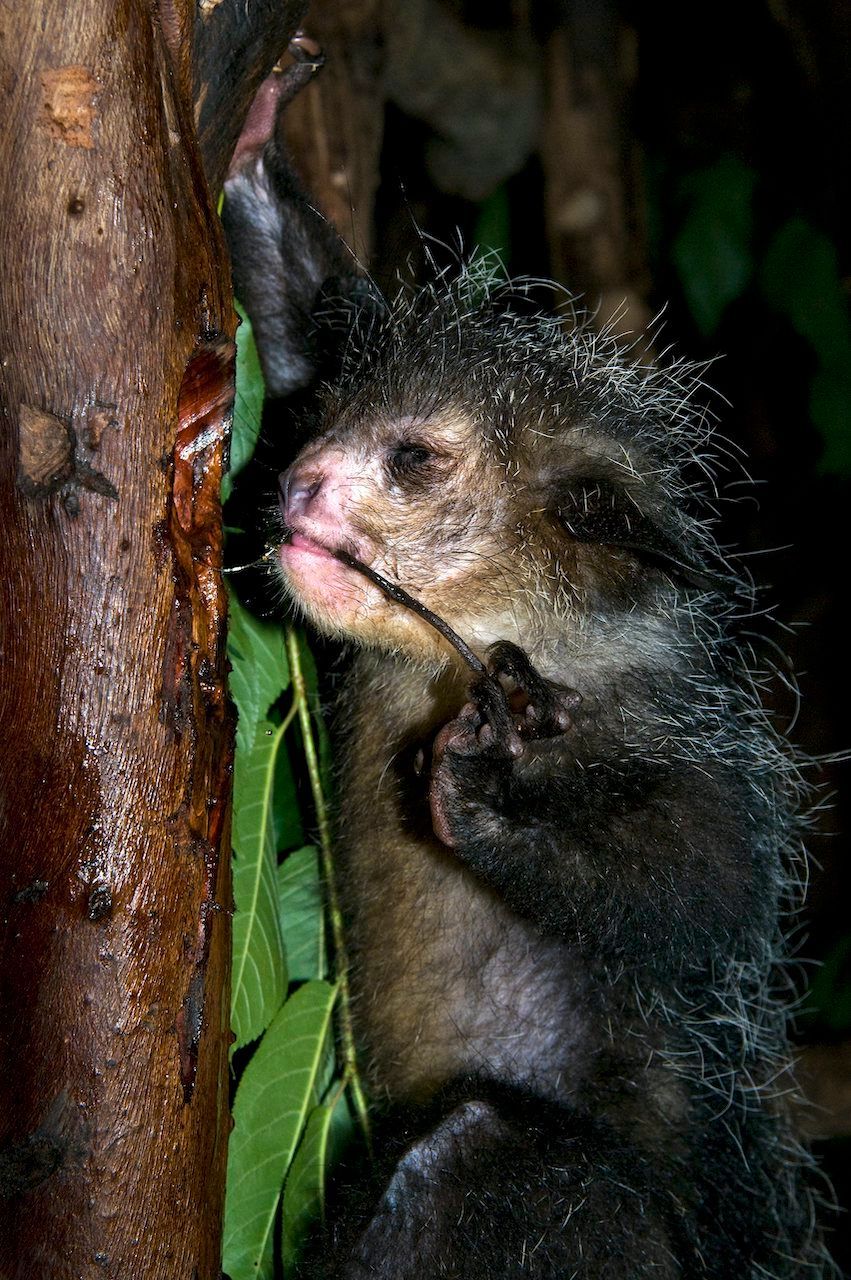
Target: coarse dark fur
{"points": [[562, 911]]}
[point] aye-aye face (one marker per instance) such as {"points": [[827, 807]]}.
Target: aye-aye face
{"points": [[518, 479], [430, 504], [519, 537]]}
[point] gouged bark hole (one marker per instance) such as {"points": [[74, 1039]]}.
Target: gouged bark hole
{"points": [[193, 690], [204, 410]]}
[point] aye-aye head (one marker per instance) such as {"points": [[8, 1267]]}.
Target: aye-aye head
{"points": [[514, 473]]}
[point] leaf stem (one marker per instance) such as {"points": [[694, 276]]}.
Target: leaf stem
{"points": [[347, 1038], [290, 716]]}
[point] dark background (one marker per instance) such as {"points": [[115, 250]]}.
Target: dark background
{"points": [[730, 131]]}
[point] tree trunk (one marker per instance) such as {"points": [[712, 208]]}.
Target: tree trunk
{"points": [[116, 384]]}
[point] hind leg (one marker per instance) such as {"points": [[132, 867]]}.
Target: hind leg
{"points": [[491, 1194]]}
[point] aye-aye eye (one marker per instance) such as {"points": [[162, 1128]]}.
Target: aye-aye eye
{"points": [[407, 458]]}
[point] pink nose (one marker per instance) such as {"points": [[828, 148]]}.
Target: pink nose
{"points": [[297, 488]]}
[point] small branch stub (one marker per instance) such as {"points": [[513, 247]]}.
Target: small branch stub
{"points": [[48, 461], [45, 452]]}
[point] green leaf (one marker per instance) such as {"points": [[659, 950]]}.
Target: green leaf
{"points": [[304, 1192], [330, 1129], [286, 814], [259, 965], [260, 673], [800, 278], [269, 1112], [248, 405], [830, 411], [302, 917], [712, 251], [344, 1130], [492, 232], [829, 997]]}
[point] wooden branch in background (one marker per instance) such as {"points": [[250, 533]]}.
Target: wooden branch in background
{"points": [[823, 1075], [334, 127], [592, 188]]}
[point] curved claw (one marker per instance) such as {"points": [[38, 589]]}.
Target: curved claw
{"points": [[308, 58], [548, 707], [306, 50], [489, 697]]}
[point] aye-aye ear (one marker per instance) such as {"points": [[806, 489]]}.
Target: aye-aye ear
{"points": [[595, 510]]}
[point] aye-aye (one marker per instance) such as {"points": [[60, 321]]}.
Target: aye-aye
{"points": [[561, 879]]}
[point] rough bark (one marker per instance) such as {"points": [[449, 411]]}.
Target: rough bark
{"points": [[116, 328]]}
